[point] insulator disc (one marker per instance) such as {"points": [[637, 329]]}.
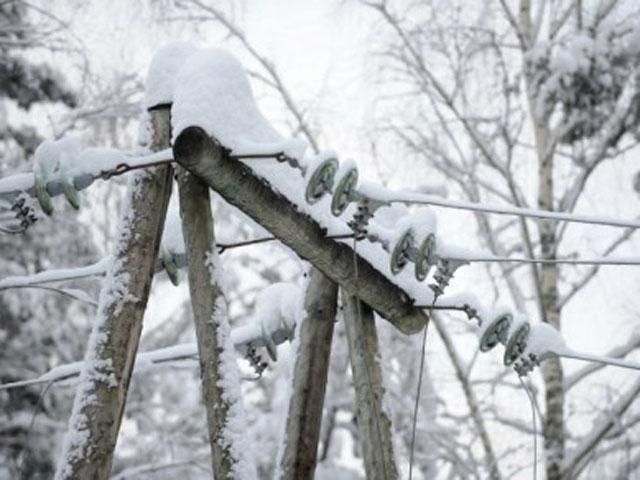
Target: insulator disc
{"points": [[169, 265], [342, 193], [399, 257], [516, 344], [269, 344], [425, 256], [71, 194], [42, 195], [321, 180], [496, 332]]}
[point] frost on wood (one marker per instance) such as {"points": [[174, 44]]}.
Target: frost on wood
{"points": [[230, 455], [99, 402], [310, 368], [234, 436], [374, 421]]}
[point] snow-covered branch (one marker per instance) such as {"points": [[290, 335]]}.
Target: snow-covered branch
{"points": [[577, 459], [55, 275]]}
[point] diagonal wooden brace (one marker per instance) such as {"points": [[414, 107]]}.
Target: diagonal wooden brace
{"points": [[196, 151]]}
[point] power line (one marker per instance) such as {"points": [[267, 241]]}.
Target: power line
{"points": [[569, 261], [421, 199]]}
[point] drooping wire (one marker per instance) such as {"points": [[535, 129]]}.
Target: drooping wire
{"points": [[417, 403], [535, 427]]}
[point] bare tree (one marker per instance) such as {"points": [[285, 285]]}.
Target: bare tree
{"points": [[467, 72]]}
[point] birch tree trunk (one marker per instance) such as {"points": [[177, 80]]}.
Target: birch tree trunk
{"points": [[374, 422], [552, 368], [553, 429], [100, 400], [311, 370]]}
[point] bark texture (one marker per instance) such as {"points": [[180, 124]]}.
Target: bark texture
{"points": [[206, 295], [374, 422], [104, 382], [553, 429], [548, 300], [309, 379], [198, 153]]}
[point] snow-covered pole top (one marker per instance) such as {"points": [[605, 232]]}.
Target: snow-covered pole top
{"points": [[212, 91], [161, 77]]}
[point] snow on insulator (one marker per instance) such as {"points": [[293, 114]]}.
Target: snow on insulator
{"points": [[46, 158], [161, 77], [172, 238], [389, 216], [454, 252], [50, 159], [172, 252], [423, 221], [212, 91], [376, 231], [377, 192], [69, 148], [95, 160], [544, 342], [278, 308]]}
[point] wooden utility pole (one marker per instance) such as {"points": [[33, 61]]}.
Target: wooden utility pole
{"points": [[373, 422], [104, 381], [311, 370], [210, 315]]}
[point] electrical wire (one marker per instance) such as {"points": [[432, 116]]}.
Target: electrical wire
{"points": [[535, 427], [432, 200], [620, 261], [417, 404], [586, 357]]}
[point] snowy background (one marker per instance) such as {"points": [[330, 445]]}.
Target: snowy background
{"points": [[348, 82]]}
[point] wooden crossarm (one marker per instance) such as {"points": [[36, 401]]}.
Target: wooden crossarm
{"points": [[195, 150]]}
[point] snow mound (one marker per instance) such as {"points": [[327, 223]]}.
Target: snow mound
{"points": [[544, 341], [172, 238], [54, 155], [212, 92], [163, 70], [279, 304]]}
